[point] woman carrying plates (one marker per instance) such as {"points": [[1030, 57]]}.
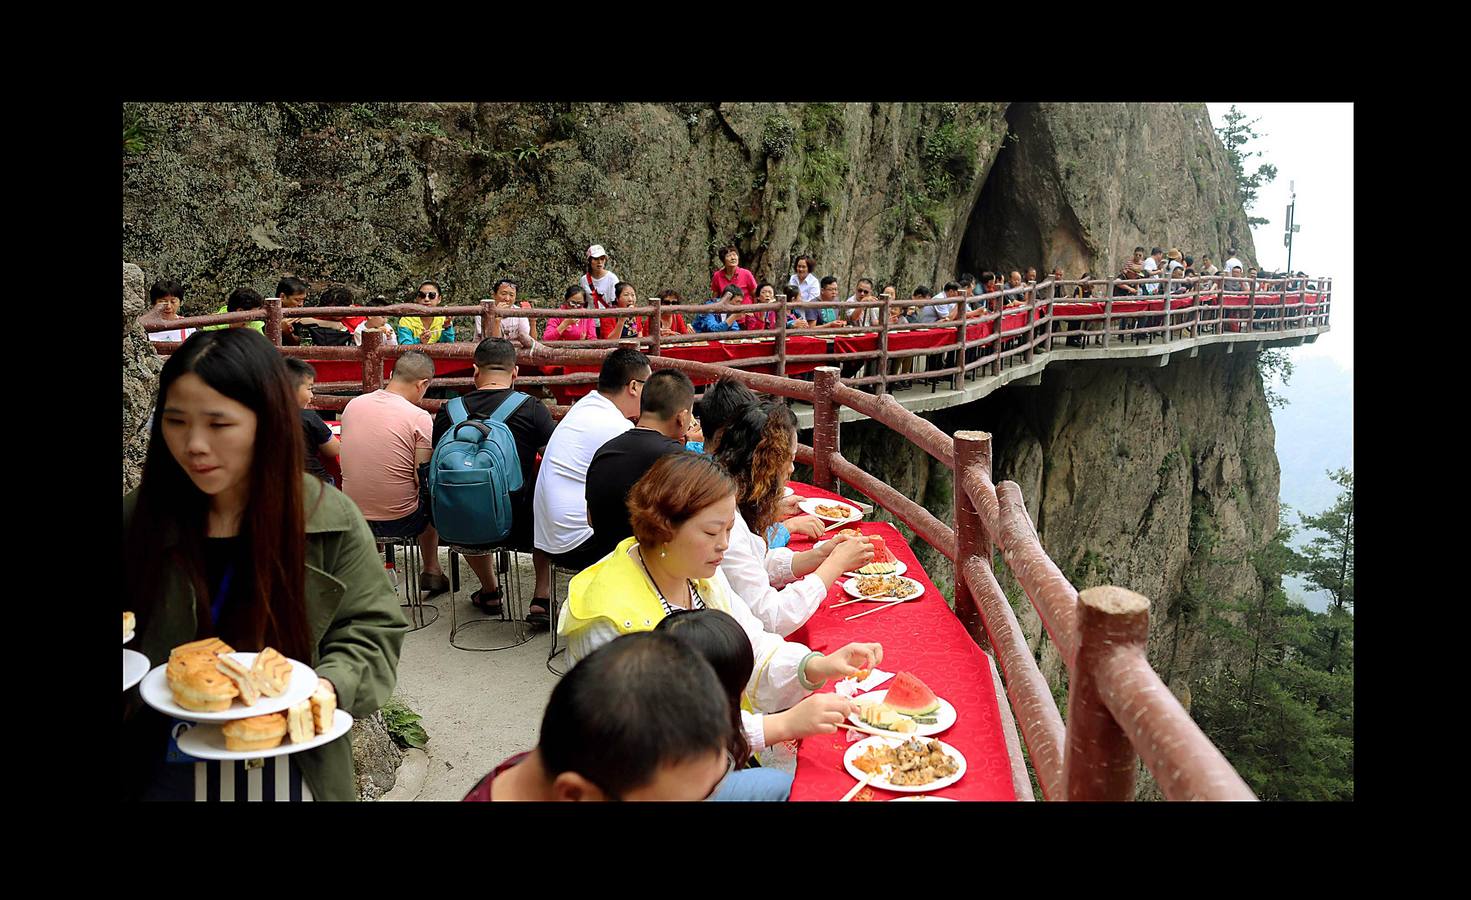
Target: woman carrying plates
{"points": [[227, 537]]}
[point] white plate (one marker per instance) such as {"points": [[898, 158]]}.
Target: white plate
{"points": [[787, 492], [208, 741], [923, 797], [130, 635], [945, 714], [810, 505], [135, 666], [336, 429], [882, 780], [156, 693], [899, 569], [851, 587]]}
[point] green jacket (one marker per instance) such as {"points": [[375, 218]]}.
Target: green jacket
{"points": [[351, 607]]}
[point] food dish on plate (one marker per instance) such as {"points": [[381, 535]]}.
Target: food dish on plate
{"points": [[271, 671], [128, 622], [914, 762], [883, 561], [255, 733], [884, 586], [240, 674], [880, 715], [324, 704], [908, 696], [203, 689], [832, 511], [300, 725]]}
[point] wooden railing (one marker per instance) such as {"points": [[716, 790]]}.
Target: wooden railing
{"points": [[1289, 305]]}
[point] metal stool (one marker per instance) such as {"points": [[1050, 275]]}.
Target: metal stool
{"points": [[414, 601], [512, 610], [556, 607]]}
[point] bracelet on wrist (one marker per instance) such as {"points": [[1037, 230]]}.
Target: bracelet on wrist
{"points": [[802, 672]]}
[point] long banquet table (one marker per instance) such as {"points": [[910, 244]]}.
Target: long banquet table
{"points": [[923, 637]]}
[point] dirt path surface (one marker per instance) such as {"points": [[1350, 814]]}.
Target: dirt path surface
{"points": [[478, 708]]}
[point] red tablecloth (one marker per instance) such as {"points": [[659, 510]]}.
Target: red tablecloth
{"points": [[918, 339], [713, 352], [924, 637], [347, 370]]}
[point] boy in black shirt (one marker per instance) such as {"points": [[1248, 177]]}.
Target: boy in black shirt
{"points": [[666, 411], [531, 425], [319, 438]]}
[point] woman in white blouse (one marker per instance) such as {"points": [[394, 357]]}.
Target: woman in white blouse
{"points": [[782, 588], [682, 512]]}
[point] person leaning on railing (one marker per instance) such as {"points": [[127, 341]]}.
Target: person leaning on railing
{"points": [[166, 294], [682, 513], [670, 324], [712, 322], [240, 300], [568, 328], [419, 330]]}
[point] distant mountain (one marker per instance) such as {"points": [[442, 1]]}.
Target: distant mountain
{"points": [[1314, 436]]}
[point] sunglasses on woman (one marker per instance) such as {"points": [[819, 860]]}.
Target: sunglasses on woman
{"points": [[428, 295]]}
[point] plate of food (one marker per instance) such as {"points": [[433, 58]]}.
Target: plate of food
{"points": [[830, 510], [274, 734], [129, 625], [208, 681], [883, 562], [883, 587], [914, 708], [135, 666], [909, 766], [924, 797]]}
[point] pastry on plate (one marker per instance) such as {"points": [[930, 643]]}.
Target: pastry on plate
{"points": [[240, 674], [255, 733], [180, 664], [204, 690], [272, 672], [128, 622], [213, 645], [324, 706], [300, 722]]}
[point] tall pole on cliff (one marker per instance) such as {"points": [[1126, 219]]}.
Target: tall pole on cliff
{"points": [[1291, 228]]}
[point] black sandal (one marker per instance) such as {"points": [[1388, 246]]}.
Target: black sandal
{"points": [[539, 618], [491, 606]]}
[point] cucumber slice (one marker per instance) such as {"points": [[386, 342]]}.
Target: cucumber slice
{"points": [[926, 720]]}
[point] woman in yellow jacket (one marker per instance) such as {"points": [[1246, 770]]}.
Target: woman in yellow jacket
{"points": [[420, 330], [682, 512]]}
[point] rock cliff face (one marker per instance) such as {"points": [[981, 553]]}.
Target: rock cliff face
{"points": [[380, 195], [140, 377]]}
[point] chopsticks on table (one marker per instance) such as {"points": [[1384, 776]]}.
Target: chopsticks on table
{"points": [[862, 729], [858, 787], [874, 610]]}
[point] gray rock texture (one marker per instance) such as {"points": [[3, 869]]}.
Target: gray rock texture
{"points": [[140, 377], [375, 757]]}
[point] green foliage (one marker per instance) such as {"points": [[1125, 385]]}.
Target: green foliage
{"points": [[403, 724], [778, 135], [1328, 560], [1234, 136], [948, 157], [530, 151], [1275, 365], [1281, 705], [824, 165], [422, 126], [364, 113], [137, 134]]}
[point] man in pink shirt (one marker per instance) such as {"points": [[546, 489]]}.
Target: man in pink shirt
{"points": [[386, 445], [733, 274]]}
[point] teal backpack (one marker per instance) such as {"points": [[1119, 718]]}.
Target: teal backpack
{"points": [[472, 473]]}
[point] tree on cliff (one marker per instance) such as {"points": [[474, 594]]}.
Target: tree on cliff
{"points": [[1328, 563], [1234, 136], [1275, 708]]}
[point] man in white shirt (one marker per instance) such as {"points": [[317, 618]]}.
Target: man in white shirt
{"points": [[940, 312], [516, 329], [864, 291], [1232, 262], [1151, 268], [562, 530]]}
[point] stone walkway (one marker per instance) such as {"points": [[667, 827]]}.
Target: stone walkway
{"points": [[478, 708]]}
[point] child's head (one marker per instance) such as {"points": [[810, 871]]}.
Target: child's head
{"points": [[166, 294], [303, 379], [719, 638], [336, 295], [641, 718], [244, 298]]}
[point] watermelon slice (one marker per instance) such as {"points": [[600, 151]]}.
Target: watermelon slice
{"points": [[881, 552], [910, 697]]}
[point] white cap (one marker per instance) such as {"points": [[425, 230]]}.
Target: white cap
{"points": [[595, 251]]}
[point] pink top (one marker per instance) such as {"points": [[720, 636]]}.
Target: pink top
{"points": [[579, 330], [743, 279], [380, 433]]}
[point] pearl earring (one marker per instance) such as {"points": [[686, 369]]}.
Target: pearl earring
{"points": [[662, 554]]}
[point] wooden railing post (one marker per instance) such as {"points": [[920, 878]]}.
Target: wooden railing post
{"points": [[1107, 312], [781, 336], [273, 320], [489, 323], [884, 346], [372, 361], [655, 329], [1100, 763], [957, 379], [824, 426], [1168, 319], [1195, 319], [1031, 328], [1251, 305], [972, 450]]}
